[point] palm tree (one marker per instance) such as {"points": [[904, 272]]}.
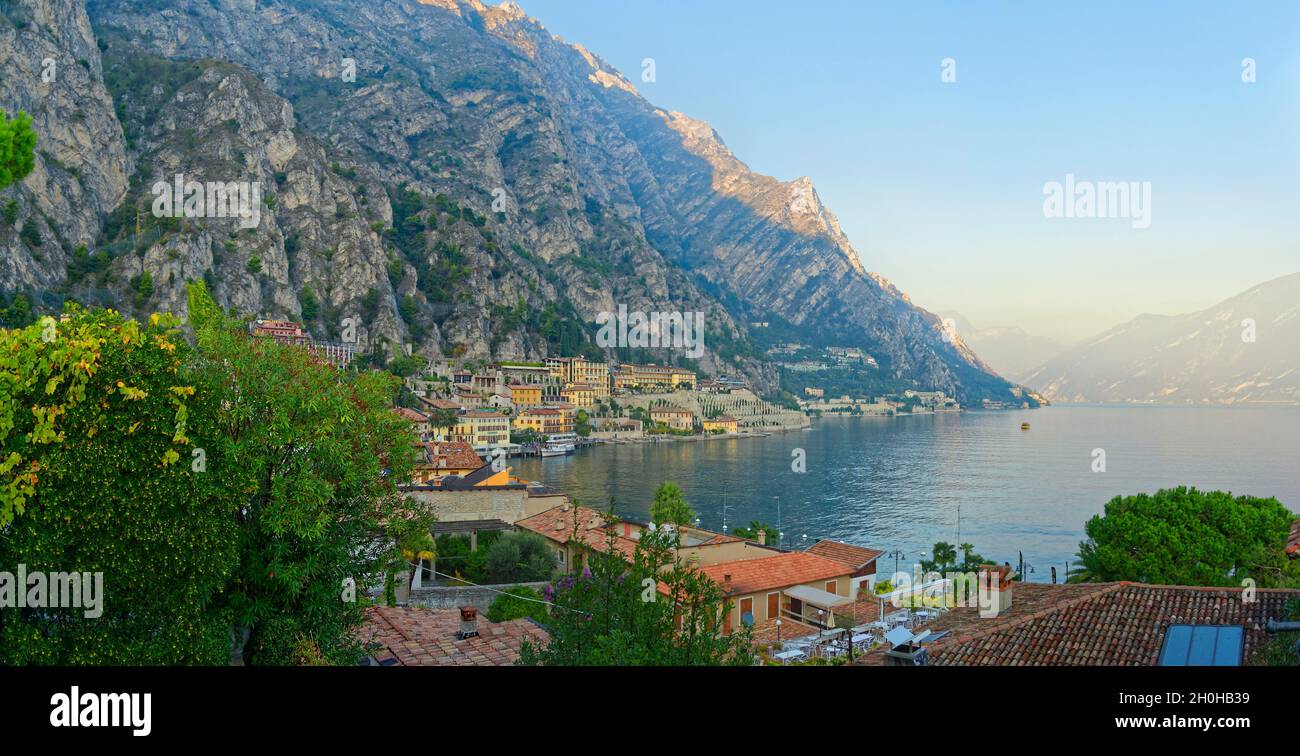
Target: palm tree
{"points": [[944, 554], [1088, 568]]}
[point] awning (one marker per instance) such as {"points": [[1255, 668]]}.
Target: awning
{"points": [[816, 597]]}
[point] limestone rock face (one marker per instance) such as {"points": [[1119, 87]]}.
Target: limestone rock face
{"points": [[455, 178], [52, 71]]}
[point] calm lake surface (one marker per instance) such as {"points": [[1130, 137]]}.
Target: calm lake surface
{"points": [[897, 483]]}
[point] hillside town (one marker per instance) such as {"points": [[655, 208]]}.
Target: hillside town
{"points": [[824, 603]]}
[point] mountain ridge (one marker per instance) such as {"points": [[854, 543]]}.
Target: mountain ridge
{"points": [[393, 208], [1242, 350]]}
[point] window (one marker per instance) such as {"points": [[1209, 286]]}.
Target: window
{"points": [[832, 586]]}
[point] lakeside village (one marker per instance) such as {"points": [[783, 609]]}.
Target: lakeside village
{"points": [[824, 604]]}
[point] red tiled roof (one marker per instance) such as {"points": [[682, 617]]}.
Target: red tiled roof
{"points": [[450, 455], [721, 538], [769, 573], [1293, 542], [414, 416], [427, 638], [558, 525], [1097, 624], [439, 403], [854, 556]]}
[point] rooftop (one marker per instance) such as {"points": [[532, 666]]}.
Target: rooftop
{"points": [[448, 455], [854, 556], [412, 415], [1293, 541], [1094, 624], [557, 525], [770, 573], [417, 637]]}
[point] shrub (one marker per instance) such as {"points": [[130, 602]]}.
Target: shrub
{"points": [[517, 602]]}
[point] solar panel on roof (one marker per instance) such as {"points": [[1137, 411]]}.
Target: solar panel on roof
{"points": [[1202, 646]]}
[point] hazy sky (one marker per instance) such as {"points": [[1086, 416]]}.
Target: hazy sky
{"points": [[940, 185]]}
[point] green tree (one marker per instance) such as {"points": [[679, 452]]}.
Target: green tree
{"points": [[18, 314], [317, 456], [310, 304], [1182, 536], [945, 555], [17, 148], [519, 557], [108, 453], [653, 611], [670, 506]]}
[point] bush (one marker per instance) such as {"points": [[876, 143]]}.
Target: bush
{"points": [[30, 234], [519, 557], [520, 601]]}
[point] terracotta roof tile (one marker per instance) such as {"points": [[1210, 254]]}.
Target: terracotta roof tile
{"points": [[414, 416], [1097, 624], [558, 525], [855, 556], [418, 637], [780, 571], [449, 455]]}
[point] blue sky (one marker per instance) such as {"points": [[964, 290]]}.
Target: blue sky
{"points": [[940, 185]]}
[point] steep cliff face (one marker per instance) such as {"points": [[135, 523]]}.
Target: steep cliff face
{"points": [[457, 178], [50, 68]]}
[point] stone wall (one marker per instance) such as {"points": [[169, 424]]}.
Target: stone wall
{"points": [[480, 597]]}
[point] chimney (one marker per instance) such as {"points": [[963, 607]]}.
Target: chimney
{"points": [[762, 537], [468, 623], [996, 589], [565, 506]]}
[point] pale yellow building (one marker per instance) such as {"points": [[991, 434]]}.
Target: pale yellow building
{"points": [[577, 370], [721, 424], [674, 417], [482, 429], [580, 394], [653, 377]]}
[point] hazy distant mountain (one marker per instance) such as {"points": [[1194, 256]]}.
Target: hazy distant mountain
{"points": [[1204, 357], [1009, 350]]}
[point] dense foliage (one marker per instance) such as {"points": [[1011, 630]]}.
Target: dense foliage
{"points": [[519, 557], [17, 148], [1182, 536], [101, 420], [235, 487], [317, 456], [653, 611], [516, 603]]}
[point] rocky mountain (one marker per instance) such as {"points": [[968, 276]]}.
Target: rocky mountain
{"points": [[1010, 350], [1244, 350], [448, 174]]}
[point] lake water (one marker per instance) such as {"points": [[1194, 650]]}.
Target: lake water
{"points": [[897, 483]]}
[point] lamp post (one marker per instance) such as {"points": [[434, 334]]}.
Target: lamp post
{"points": [[896, 554]]}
